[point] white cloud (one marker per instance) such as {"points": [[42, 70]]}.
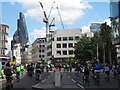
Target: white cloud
{"points": [[70, 10], [108, 22], [38, 33], [9, 42], [85, 29]]}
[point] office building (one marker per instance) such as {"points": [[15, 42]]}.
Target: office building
{"points": [[95, 27], [115, 24], [3, 42]]}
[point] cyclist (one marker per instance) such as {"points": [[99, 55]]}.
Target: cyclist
{"points": [[114, 68], [31, 69], [22, 69], [92, 70], [86, 74], [38, 71], [18, 70], [107, 71], [97, 71], [8, 74], [119, 71], [1, 73]]}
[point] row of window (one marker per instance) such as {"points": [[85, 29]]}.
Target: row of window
{"points": [[3, 37], [41, 56], [71, 52], [2, 52], [64, 45], [41, 51], [41, 46], [68, 38]]}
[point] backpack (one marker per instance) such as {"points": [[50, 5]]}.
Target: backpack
{"points": [[8, 72]]}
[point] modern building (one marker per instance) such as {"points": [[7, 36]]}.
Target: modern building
{"points": [[3, 42], [63, 43], [58, 47], [39, 50], [20, 39], [95, 26], [115, 24], [21, 34]]}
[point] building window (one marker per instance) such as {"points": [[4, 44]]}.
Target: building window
{"points": [[58, 52], [70, 38], [70, 52], [64, 38], [75, 44], [42, 50], [40, 46], [58, 38], [70, 45], [43, 56], [58, 45], [39, 56], [43, 45], [64, 45], [76, 37], [64, 52]]}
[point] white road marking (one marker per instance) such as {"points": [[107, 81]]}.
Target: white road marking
{"points": [[73, 80], [80, 85], [43, 80]]}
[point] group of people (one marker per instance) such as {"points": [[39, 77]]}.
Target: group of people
{"points": [[9, 70]]}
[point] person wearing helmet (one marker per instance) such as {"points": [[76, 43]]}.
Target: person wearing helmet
{"points": [[18, 70], [107, 71], [38, 70]]}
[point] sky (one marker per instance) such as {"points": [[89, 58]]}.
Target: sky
{"points": [[75, 14]]}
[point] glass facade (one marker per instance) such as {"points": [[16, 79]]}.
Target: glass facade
{"points": [[114, 14], [114, 8], [95, 27], [21, 34]]}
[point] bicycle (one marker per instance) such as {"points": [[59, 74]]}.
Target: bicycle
{"points": [[86, 80], [97, 78]]}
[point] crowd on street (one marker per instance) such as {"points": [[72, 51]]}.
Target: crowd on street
{"points": [[37, 68]]}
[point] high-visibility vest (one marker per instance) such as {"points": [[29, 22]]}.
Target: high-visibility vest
{"points": [[67, 65], [18, 69], [64, 66], [22, 67]]}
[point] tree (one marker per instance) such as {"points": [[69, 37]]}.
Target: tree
{"points": [[105, 35], [83, 49]]}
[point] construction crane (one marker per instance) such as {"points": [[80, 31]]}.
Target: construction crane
{"points": [[46, 18], [60, 18]]}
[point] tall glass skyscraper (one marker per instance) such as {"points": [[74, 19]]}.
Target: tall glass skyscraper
{"points": [[21, 34], [115, 21]]}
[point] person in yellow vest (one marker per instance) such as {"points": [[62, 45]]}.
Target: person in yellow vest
{"points": [[22, 69], [18, 70]]}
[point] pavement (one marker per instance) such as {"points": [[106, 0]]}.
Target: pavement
{"points": [[49, 83]]}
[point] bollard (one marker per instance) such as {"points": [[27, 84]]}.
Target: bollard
{"points": [[57, 78]]}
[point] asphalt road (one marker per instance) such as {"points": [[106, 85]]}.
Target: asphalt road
{"points": [[69, 80]]}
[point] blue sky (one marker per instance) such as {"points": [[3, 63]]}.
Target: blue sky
{"points": [[73, 16]]}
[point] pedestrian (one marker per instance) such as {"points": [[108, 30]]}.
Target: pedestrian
{"points": [[18, 70], [8, 74]]}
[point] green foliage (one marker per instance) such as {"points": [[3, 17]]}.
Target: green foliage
{"points": [[86, 47]]}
